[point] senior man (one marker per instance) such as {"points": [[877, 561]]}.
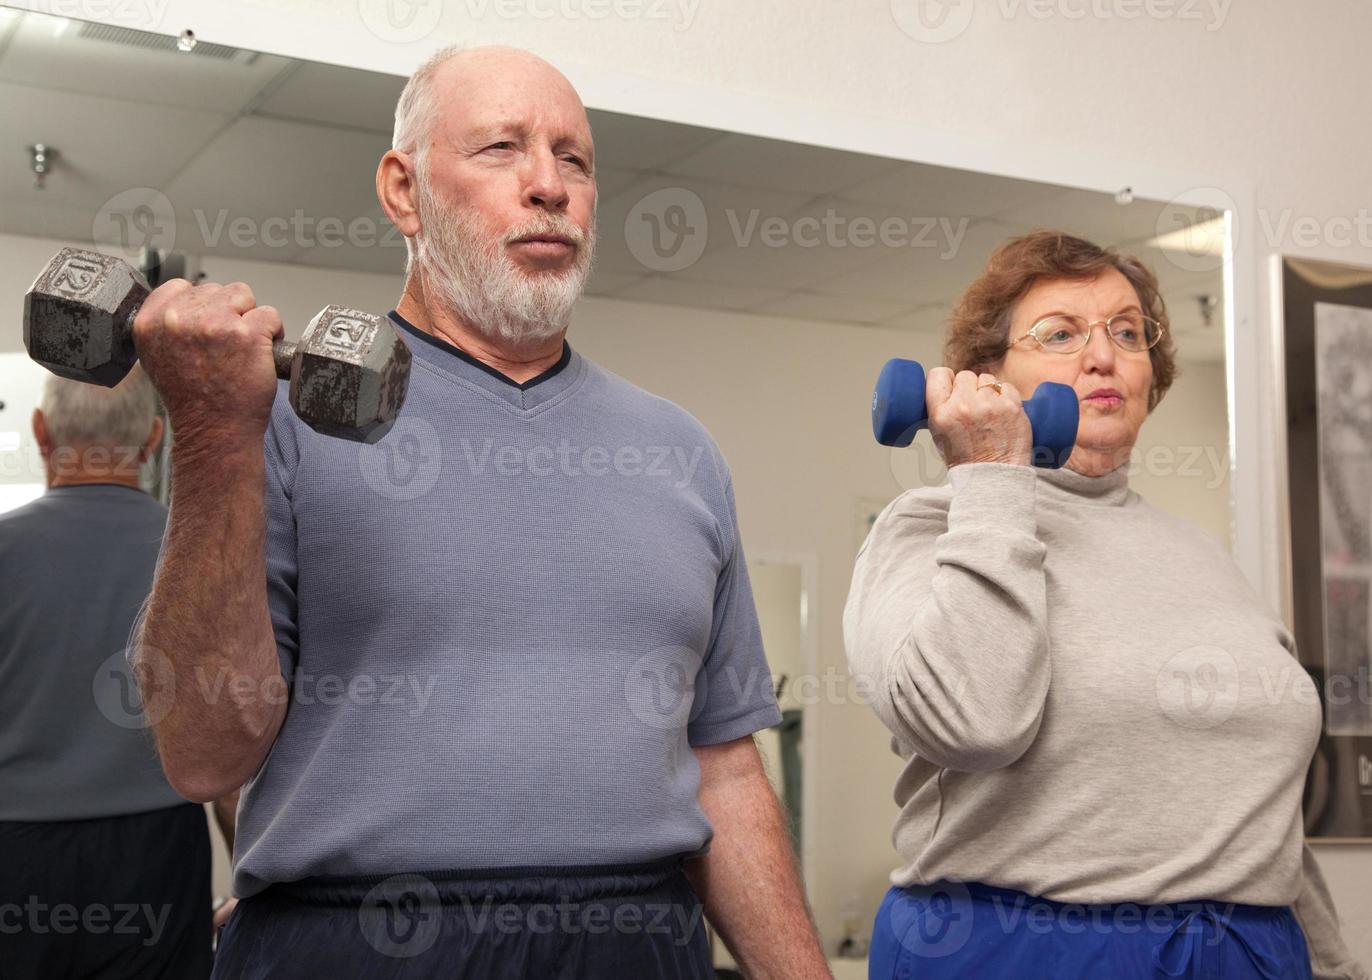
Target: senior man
{"points": [[489, 685], [104, 869]]}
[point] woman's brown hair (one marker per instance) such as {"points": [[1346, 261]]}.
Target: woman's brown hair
{"points": [[979, 327]]}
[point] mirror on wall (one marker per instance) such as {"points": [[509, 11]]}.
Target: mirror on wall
{"points": [[759, 284]]}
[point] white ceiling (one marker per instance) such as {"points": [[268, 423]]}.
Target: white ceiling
{"points": [[228, 134]]}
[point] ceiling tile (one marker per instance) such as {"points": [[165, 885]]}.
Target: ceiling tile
{"points": [[336, 96], [610, 182], [817, 306], [757, 162], [930, 319], [76, 60], [1093, 216], [604, 283], [294, 175], [938, 272], [676, 291], [926, 191], [634, 143], [639, 232], [97, 157]]}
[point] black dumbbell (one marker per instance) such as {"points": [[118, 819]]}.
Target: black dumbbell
{"points": [[348, 374]]}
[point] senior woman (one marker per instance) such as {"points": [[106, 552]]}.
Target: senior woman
{"points": [[1104, 729]]}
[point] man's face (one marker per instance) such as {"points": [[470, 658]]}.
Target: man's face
{"points": [[507, 197]]}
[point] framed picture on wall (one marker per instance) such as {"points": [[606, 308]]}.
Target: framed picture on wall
{"points": [[1327, 312]]}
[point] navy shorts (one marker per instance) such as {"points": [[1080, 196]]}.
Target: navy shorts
{"points": [[641, 921], [114, 898], [952, 929]]}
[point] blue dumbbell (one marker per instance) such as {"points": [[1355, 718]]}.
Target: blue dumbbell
{"points": [[899, 411]]}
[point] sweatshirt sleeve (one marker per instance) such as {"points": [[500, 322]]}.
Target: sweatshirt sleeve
{"points": [[1314, 908], [946, 625]]}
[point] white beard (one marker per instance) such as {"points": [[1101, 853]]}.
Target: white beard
{"points": [[474, 277]]}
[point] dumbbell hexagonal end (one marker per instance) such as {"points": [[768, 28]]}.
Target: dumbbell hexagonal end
{"points": [[78, 316], [350, 374], [898, 410]]}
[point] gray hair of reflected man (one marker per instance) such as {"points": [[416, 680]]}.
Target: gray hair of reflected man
{"points": [[416, 112], [80, 414]]}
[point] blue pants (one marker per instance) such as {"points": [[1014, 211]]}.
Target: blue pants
{"points": [[642, 921], [952, 929]]}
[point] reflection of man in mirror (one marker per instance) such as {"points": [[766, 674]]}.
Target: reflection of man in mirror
{"points": [[1345, 420], [91, 834], [474, 771], [1343, 339]]}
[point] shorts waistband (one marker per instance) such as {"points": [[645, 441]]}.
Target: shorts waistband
{"points": [[508, 884], [993, 893]]}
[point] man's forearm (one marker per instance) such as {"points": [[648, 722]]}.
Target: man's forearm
{"points": [[748, 881], [206, 654]]}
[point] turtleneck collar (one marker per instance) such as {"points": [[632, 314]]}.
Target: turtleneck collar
{"points": [[1111, 490]]}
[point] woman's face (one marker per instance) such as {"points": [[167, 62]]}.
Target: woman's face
{"points": [[1112, 385]]}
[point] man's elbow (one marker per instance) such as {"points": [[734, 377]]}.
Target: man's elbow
{"points": [[203, 785]]}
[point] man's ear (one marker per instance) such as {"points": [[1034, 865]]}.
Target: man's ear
{"points": [[40, 432], [154, 440], [396, 191]]}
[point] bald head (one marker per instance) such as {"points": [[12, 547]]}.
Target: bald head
{"points": [[458, 88]]}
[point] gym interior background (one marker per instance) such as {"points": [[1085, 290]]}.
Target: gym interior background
{"points": [[809, 256]]}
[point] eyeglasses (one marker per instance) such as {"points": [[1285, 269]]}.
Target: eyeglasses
{"points": [[1063, 334]]}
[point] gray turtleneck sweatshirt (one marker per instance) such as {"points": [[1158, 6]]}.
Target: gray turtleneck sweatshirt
{"points": [[1093, 704]]}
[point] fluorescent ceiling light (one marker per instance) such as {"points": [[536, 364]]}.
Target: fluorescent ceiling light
{"points": [[1202, 238]]}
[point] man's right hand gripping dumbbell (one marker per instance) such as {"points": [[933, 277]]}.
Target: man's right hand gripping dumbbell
{"points": [[211, 351]]}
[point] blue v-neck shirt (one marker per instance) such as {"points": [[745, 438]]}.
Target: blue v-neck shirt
{"points": [[505, 625]]}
